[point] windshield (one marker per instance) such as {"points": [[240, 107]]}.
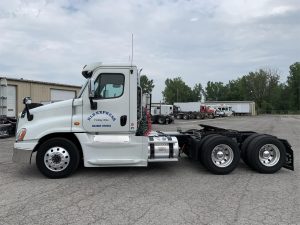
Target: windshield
{"points": [[82, 88]]}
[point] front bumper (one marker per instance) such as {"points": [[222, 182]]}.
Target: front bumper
{"points": [[23, 151]]}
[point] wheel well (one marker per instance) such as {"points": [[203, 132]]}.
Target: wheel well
{"points": [[69, 136]]}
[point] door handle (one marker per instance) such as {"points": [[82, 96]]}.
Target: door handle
{"points": [[123, 120]]}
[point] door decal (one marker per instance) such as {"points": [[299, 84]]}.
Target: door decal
{"points": [[101, 119]]}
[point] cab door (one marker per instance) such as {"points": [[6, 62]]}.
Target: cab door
{"points": [[112, 97]]}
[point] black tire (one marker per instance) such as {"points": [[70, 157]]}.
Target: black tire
{"points": [[244, 147], [178, 117], [185, 116], [153, 120], [233, 153], [191, 117], [65, 145], [198, 117], [256, 146], [161, 120], [203, 141], [211, 116]]}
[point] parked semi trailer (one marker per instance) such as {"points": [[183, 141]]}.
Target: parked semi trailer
{"points": [[238, 108], [99, 128], [7, 124]]}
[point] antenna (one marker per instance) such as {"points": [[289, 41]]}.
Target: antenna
{"points": [[131, 48]]}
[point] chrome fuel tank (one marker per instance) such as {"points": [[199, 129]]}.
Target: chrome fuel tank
{"points": [[162, 148]]}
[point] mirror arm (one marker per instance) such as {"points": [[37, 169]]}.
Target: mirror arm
{"points": [[29, 116], [26, 102]]}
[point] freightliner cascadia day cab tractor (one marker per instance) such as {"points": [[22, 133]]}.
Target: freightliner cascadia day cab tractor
{"points": [[99, 128]]}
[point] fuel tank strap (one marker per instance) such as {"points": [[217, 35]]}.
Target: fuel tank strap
{"points": [[171, 150], [152, 151]]}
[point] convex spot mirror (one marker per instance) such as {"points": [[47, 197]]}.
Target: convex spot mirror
{"points": [[27, 101]]}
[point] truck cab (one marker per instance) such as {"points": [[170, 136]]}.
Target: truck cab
{"points": [[98, 127]]}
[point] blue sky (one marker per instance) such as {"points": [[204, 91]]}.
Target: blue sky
{"points": [[215, 40]]}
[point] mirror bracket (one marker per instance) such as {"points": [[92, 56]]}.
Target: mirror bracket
{"points": [[91, 90], [93, 104]]}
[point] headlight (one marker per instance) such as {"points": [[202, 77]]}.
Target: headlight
{"points": [[21, 134]]}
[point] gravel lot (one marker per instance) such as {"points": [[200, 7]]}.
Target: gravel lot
{"points": [[164, 193]]}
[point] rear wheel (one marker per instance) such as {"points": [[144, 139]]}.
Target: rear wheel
{"points": [[153, 120], [179, 117], [57, 158], [161, 120], [203, 141], [221, 155], [244, 148], [266, 154], [185, 116]]}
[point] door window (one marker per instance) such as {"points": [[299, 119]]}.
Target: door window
{"points": [[109, 85]]}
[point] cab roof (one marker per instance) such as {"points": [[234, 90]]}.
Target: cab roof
{"points": [[87, 70]]}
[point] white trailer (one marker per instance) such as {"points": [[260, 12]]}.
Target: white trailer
{"points": [[7, 110], [188, 106], [239, 108], [99, 128]]}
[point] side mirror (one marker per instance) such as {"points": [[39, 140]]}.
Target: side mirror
{"points": [[27, 101], [91, 92], [91, 88]]}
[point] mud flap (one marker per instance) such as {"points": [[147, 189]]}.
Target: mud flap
{"points": [[289, 162]]}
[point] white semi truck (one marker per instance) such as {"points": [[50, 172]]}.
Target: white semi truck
{"points": [[99, 128], [160, 113]]}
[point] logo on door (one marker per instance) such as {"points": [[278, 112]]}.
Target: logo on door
{"points": [[101, 119]]}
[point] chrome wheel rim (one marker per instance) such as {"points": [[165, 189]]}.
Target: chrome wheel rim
{"points": [[222, 155], [57, 159], [269, 155]]}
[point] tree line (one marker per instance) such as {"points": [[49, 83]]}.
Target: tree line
{"points": [[262, 86]]}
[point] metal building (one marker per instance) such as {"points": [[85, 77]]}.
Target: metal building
{"points": [[12, 92]]}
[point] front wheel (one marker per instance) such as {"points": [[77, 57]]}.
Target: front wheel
{"points": [[211, 116], [57, 158]]}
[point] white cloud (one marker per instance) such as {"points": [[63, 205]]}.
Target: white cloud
{"points": [[198, 40]]}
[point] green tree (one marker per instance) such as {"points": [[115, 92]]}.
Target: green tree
{"points": [[235, 90], [293, 86], [262, 86], [215, 91], [197, 92], [176, 90], [146, 84]]}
